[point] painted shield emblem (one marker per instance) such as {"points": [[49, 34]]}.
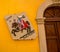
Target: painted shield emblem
{"points": [[20, 27]]}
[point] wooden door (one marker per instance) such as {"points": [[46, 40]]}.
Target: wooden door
{"points": [[52, 28]]}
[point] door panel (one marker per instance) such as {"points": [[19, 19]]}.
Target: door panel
{"points": [[52, 45], [51, 36], [52, 12], [58, 27], [50, 28]]}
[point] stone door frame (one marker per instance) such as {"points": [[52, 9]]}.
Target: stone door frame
{"points": [[40, 21]]}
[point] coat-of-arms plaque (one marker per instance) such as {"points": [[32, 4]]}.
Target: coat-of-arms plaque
{"points": [[20, 27]]}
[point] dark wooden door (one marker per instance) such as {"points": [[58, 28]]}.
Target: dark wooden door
{"points": [[52, 28]]}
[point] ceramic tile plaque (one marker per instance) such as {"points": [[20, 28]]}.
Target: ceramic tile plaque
{"points": [[20, 27]]}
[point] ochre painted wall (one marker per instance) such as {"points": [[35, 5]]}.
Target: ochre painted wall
{"points": [[7, 7]]}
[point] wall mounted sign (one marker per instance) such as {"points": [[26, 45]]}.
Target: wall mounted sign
{"points": [[20, 27]]}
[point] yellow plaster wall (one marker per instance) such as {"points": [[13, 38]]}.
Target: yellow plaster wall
{"points": [[8, 7]]}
